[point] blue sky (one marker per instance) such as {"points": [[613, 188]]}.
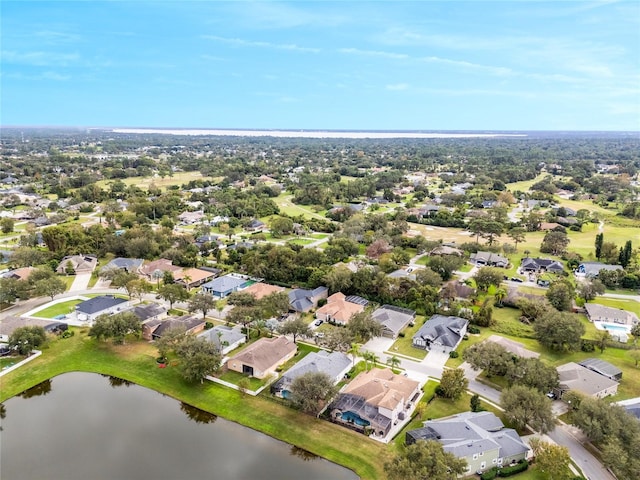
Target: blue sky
{"points": [[509, 65]]}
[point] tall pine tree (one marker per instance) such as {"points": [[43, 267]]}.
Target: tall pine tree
{"points": [[599, 242]]}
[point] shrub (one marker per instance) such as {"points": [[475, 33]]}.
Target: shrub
{"points": [[208, 325], [521, 466], [466, 337], [453, 354], [68, 334], [490, 474], [322, 302], [401, 334], [587, 346], [473, 330]]}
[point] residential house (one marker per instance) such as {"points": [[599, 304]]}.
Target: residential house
{"points": [[477, 437], [402, 273], [340, 308], [153, 329], [91, 309], [489, 259], [603, 368], [512, 346], [227, 284], [446, 250], [155, 270], [261, 358], [193, 277], [130, 265], [456, 290], [302, 300], [573, 376], [189, 218], [377, 399], [537, 265], [548, 226], [393, 319], [225, 338], [151, 311], [19, 273], [600, 313], [592, 269], [255, 225], [79, 263], [334, 364], [440, 332], [10, 323], [259, 290], [489, 203]]}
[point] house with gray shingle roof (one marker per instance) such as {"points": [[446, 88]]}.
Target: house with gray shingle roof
{"points": [[302, 300], [601, 313], [224, 338], [393, 319], [592, 269], [479, 438], [91, 309], [489, 259], [334, 364], [440, 332], [573, 376], [130, 265], [603, 368], [227, 284]]}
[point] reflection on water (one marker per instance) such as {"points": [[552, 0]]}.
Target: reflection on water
{"points": [[302, 453], [86, 429], [118, 382], [40, 389], [197, 415]]}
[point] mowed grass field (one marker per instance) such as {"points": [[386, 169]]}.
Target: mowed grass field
{"points": [[286, 206], [178, 178]]}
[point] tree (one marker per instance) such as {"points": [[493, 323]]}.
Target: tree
{"points": [[338, 278], [296, 327], [635, 355], [336, 339], [393, 362], [490, 357], [626, 254], [68, 268], [453, 383], [169, 340], [137, 288], [172, 293], [484, 316], [487, 276], [517, 234], [49, 287], [533, 373], [279, 226], [602, 339], [6, 225], [425, 460], [474, 403], [552, 459], [598, 244], [25, 339], [198, 358], [116, 326], [589, 289], [202, 302], [560, 295], [500, 295], [554, 243], [635, 331], [526, 406], [363, 327], [491, 230], [310, 390], [559, 331], [354, 351]]}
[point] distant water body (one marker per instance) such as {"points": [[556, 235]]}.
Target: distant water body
{"points": [[316, 133]]}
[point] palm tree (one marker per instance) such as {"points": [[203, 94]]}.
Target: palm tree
{"points": [[500, 295], [394, 362], [354, 351], [187, 280]]}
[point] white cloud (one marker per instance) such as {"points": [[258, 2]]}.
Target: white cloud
{"points": [[39, 58], [397, 87], [373, 53], [250, 43]]}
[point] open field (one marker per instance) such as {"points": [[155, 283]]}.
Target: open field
{"points": [[136, 363], [525, 185], [178, 178], [286, 206]]}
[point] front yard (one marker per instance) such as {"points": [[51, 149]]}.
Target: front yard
{"points": [[62, 308]]}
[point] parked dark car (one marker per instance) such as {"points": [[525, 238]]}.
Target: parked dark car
{"points": [[515, 279]]}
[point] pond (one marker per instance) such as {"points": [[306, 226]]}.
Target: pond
{"points": [[88, 426]]}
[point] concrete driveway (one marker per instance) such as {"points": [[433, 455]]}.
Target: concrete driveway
{"points": [[81, 282]]}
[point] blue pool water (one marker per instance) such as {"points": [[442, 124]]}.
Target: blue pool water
{"points": [[350, 416], [609, 326]]}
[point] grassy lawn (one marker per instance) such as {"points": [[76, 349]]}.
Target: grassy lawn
{"points": [[235, 378], [301, 241], [404, 345], [286, 206], [525, 185], [9, 361], [62, 308], [178, 178], [135, 362], [68, 279], [319, 236], [630, 305]]}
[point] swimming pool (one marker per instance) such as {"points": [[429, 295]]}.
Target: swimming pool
{"points": [[612, 326], [351, 417]]}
